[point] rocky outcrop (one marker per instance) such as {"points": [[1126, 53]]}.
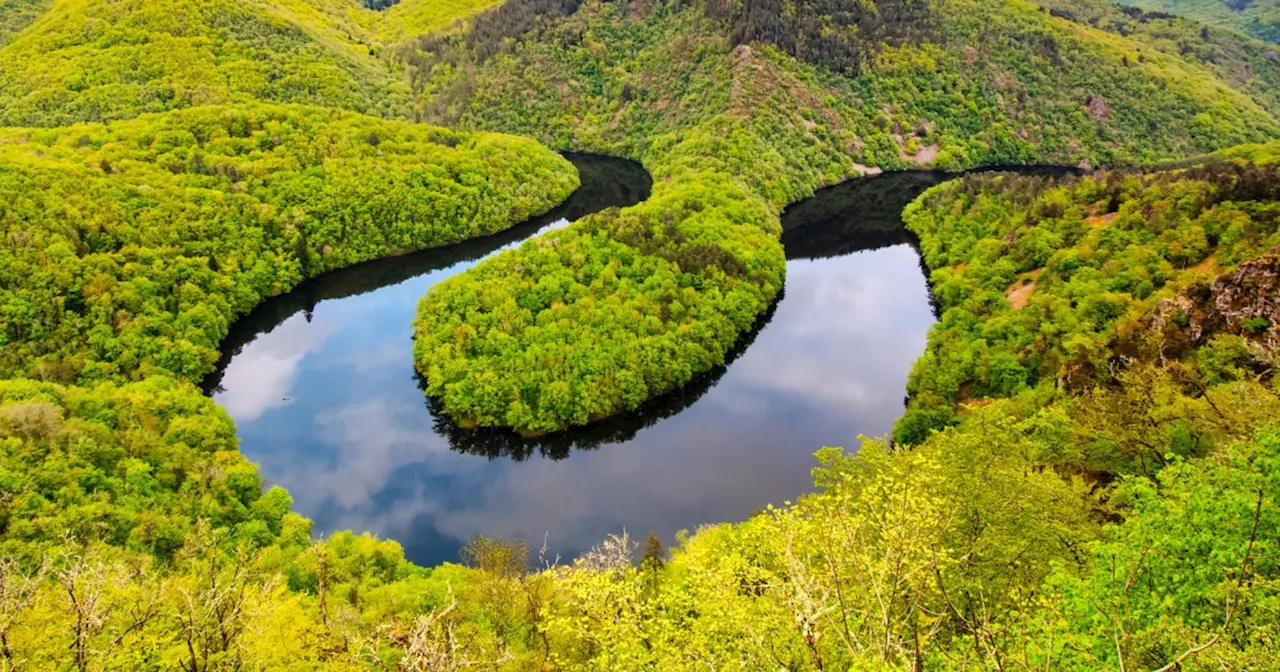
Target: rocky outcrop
{"points": [[1244, 302], [1247, 300]]}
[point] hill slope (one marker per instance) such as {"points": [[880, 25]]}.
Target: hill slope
{"points": [[131, 247], [18, 14], [1260, 18], [985, 82], [766, 106], [67, 61]]}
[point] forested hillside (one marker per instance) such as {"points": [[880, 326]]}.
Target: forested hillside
{"points": [[1118, 522], [775, 106], [131, 247], [1260, 18], [16, 15], [98, 60]]}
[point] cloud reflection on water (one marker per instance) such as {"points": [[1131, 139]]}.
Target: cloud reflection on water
{"points": [[358, 449], [263, 374]]}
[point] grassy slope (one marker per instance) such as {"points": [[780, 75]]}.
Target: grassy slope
{"points": [[410, 18], [1260, 18]]}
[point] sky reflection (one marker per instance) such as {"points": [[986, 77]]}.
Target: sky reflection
{"points": [[330, 409]]}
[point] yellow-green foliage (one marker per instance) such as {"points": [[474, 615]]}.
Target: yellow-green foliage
{"points": [[17, 14], [984, 82], [1248, 65], [131, 247], [92, 60], [585, 322], [411, 18], [96, 60], [1094, 256], [591, 321], [134, 536], [1260, 18]]}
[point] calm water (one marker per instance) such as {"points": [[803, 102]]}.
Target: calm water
{"points": [[322, 388]]}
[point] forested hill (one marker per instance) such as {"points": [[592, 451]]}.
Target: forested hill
{"points": [[1087, 476], [1260, 18], [952, 82], [131, 247], [65, 61], [739, 109]]}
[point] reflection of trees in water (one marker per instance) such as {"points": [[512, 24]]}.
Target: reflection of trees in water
{"points": [[860, 215], [606, 183], [866, 213], [494, 442], [840, 220]]}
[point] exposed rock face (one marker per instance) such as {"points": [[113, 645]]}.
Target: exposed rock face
{"points": [[1245, 301], [1097, 108], [1249, 295]]}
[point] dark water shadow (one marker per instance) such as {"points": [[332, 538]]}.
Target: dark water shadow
{"points": [[863, 214], [607, 182], [866, 213]]}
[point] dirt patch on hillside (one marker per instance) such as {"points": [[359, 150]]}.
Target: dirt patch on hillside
{"points": [[1021, 290], [1098, 221]]}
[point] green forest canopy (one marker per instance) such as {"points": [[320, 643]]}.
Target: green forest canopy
{"points": [[1259, 18], [131, 247], [596, 319], [1001, 541], [99, 60]]}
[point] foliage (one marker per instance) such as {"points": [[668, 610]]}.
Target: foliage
{"points": [[1260, 18], [987, 83], [1050, 285], [130, 248], [1248, 65], [577, 326], [17, 14], [101, 60], [1186, 581], [134, 536], [406, 19], [585, 322]]}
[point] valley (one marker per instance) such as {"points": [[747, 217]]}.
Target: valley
{"points": [[344, 335]]}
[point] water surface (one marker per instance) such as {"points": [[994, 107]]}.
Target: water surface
{"points": [[322, 388]]}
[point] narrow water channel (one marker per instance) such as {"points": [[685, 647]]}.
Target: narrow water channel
{"points": [[322, 388]]}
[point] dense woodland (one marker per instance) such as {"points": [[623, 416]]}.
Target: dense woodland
{"points": [[101, 60], [1260, 18], [1041, 286], [132, 246], [1088, 472], [546, 336]]}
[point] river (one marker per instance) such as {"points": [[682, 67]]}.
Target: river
{"points": [[322, 387]]}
